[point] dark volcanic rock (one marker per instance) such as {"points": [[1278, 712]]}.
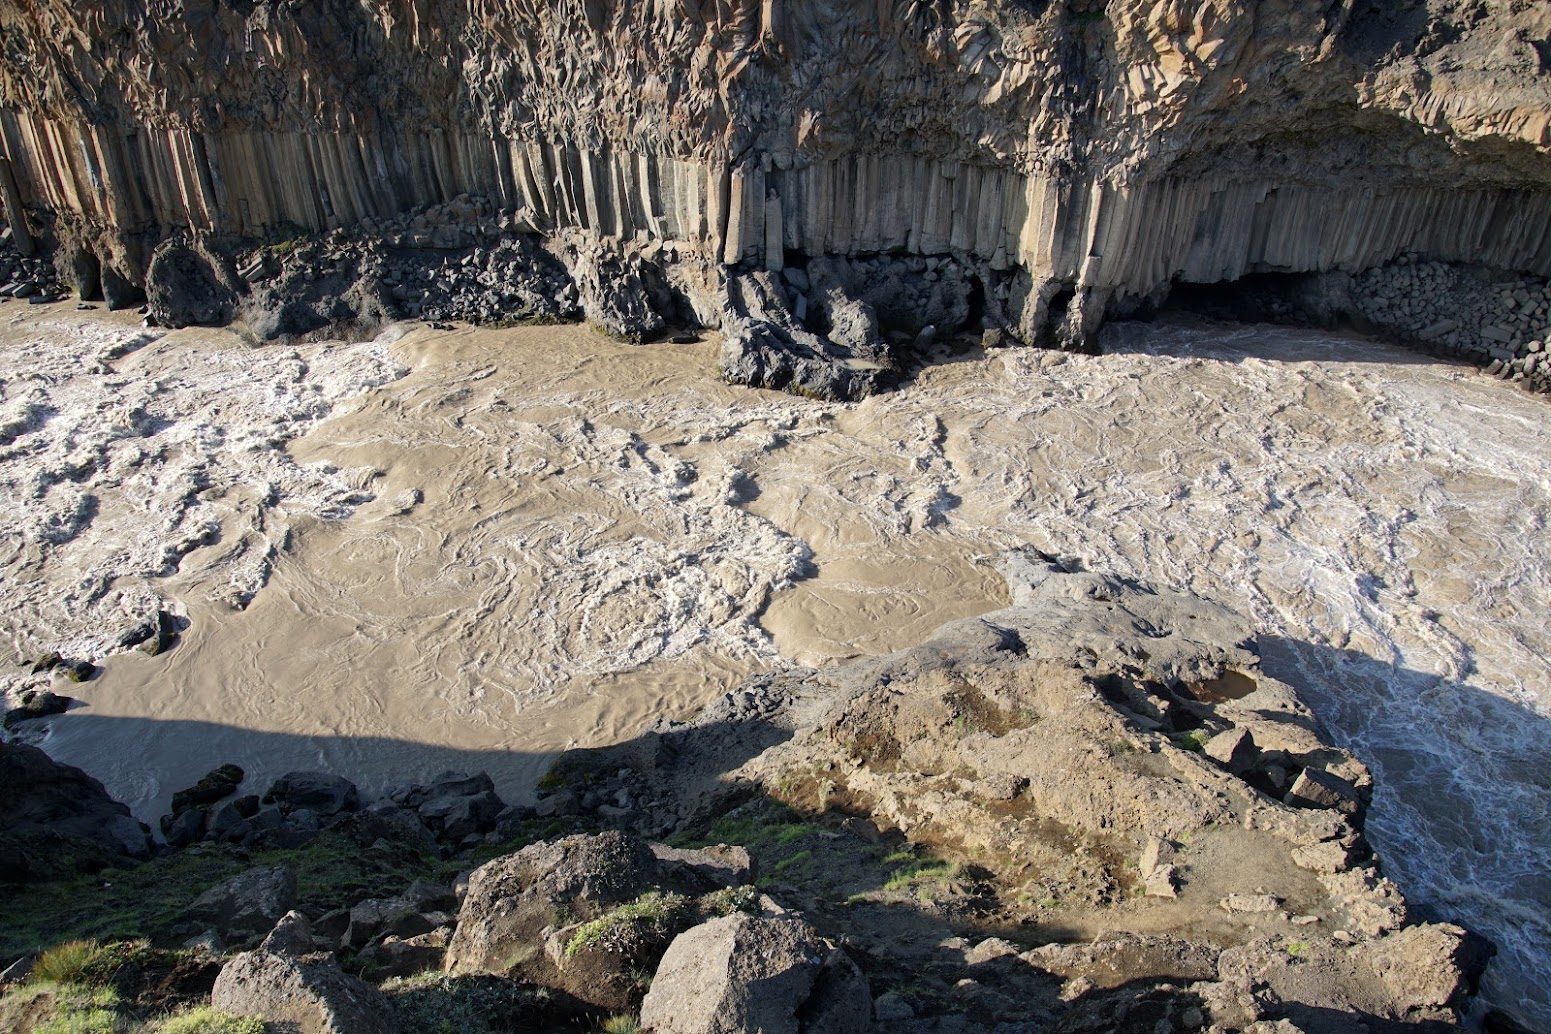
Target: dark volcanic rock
{"points": [[245, 907], [35, 704], [320, 792], [56, 820], [212, 786], [183, 289]]}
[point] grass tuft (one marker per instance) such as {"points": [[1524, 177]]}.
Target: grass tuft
{"points": [[205, 1020], [654, 912], [66, 963]]}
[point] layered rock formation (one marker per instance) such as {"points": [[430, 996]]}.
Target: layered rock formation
{"points": [[1078, 157]]}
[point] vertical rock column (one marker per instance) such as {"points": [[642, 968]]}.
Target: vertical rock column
{"points": [[12, 197]]}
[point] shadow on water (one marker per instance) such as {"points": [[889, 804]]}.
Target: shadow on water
{"points": [[1193, 336], [1462, 805], [1448, 816]]}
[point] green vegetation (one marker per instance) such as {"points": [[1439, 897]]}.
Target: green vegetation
{"points": [[624, 339], [68, 1008], [65, 963], [620, 1025], [430, 1003], [654, 914], [552, 779], [1194, 740], [922, 873], [792, 861], [335, 870], [732, 899], [205, 1020], [1296, 948]]}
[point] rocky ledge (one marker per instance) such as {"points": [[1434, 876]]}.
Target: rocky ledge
{"points": [[1090, 811], [1027, 169]]}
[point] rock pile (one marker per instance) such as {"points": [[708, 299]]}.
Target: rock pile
{"points": [[30, 278], [454, 811], [1498, 320], [458, 261]]}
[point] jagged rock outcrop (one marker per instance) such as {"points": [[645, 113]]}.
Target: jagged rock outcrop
{"points": [[1107, 758], [1076, 158], [56, 820]]}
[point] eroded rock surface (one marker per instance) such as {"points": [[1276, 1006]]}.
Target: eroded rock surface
{"points": [[1099, 758], [1069, 160], [308, 995], [742, 973]]}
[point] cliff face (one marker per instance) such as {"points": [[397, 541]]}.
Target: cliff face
{"points": [[1106, 149]]}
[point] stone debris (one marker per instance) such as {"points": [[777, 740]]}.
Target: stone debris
{"points": [[1498, 320]]}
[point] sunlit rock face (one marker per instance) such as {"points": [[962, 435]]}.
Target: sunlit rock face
{"points": [[1082, 156]]}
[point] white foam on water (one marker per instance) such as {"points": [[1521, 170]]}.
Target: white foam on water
{"points": [[479, 547], [123, 451]]}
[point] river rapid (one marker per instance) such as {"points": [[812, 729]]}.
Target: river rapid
{"points": [[471, 549]]}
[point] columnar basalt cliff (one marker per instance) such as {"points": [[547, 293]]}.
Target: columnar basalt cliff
{"points": [[1076, 158]]}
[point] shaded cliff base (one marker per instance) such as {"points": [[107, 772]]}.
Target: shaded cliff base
{"points": [[1091, 811], [832, 327]]}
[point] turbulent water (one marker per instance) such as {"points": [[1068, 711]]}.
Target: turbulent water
{"points": [[470, 549]]}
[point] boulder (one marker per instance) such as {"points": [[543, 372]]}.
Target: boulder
{"points": [[212, 786], [301, 996], [405, 956], [455, 816], [245, 907], [511, 900], [230, 818], [292, 935], [36, 704], [424, 907], [184, 827], [741, 973], [164, 631], [1431, 966], [321, 792], [1315, 788], [1234, 750]]}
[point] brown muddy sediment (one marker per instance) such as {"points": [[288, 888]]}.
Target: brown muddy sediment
{"points": [[1374, 518]]}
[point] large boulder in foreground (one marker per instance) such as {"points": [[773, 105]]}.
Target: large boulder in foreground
{"points": [[742, 973], [56, 820], [512, 900], [589, 915], [297, 995]]}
